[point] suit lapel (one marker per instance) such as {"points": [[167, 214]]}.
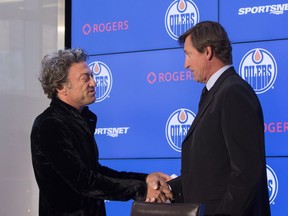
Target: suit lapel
{"points": [[209, 99]]}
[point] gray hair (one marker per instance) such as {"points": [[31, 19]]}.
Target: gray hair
{"points": [[55, 67], [210, 33]]}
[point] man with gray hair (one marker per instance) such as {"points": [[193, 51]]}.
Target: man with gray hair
{"points": [[64, 152]]}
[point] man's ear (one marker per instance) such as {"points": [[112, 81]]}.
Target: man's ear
{"points": [[62, 90], [209, 52]]}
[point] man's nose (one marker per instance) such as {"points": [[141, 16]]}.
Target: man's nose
{"points": [[186, 64], [92, 82]]}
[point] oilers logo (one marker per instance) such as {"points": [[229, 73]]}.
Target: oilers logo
{"points": [[181, 16], [272, 184], [258, 67], [177, 127], [103, 78]]}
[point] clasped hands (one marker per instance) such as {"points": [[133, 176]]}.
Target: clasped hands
{"points": [[157, 188]]}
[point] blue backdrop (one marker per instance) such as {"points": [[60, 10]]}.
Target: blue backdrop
{"points": [[146, 100]]}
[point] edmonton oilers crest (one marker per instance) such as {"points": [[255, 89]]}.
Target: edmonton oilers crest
{"points": [[272, 184], [258, 67], [177, 127], [103, 78], [181, 16]]}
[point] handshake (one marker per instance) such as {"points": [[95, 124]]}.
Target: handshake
{"points": [[157, 188]]}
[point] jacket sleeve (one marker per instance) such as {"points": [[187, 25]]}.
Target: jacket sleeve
{"points": [[242, 124], [121, 174], [176, 188], [59, 155]]}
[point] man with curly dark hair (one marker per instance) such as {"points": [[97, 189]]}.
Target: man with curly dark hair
{"points": [[64, 152]]}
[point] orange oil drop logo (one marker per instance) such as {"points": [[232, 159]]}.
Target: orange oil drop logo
{"points": [[257, 56], [181, 5], [96, 68], [182, 116]]}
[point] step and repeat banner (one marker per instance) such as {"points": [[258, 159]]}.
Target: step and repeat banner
{"points": [[147, 100]]}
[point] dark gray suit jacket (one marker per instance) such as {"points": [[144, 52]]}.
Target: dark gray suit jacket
{"points": [[223, 154]]}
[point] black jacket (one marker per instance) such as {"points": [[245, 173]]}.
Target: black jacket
{"points": [[223, 154], [65, 160]]}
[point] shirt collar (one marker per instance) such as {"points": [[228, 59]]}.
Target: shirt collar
{"points": [[215, 76]]}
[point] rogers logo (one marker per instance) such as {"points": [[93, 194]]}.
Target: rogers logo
{"points": [[276, 127], [105, 27], [86, 29], [175, 76]]}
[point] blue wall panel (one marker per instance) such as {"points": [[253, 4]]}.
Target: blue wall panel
{"points": [[145, 92], [127, 25], [276, 172], [169, 166], [277, 185], [271, 66], [252, 20], [146, 99]]}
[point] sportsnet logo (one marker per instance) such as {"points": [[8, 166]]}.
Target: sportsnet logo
{"points": [[112, 131], [258, 67], [103, 78], [177, 127], [276, 9], [181, 16]]}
